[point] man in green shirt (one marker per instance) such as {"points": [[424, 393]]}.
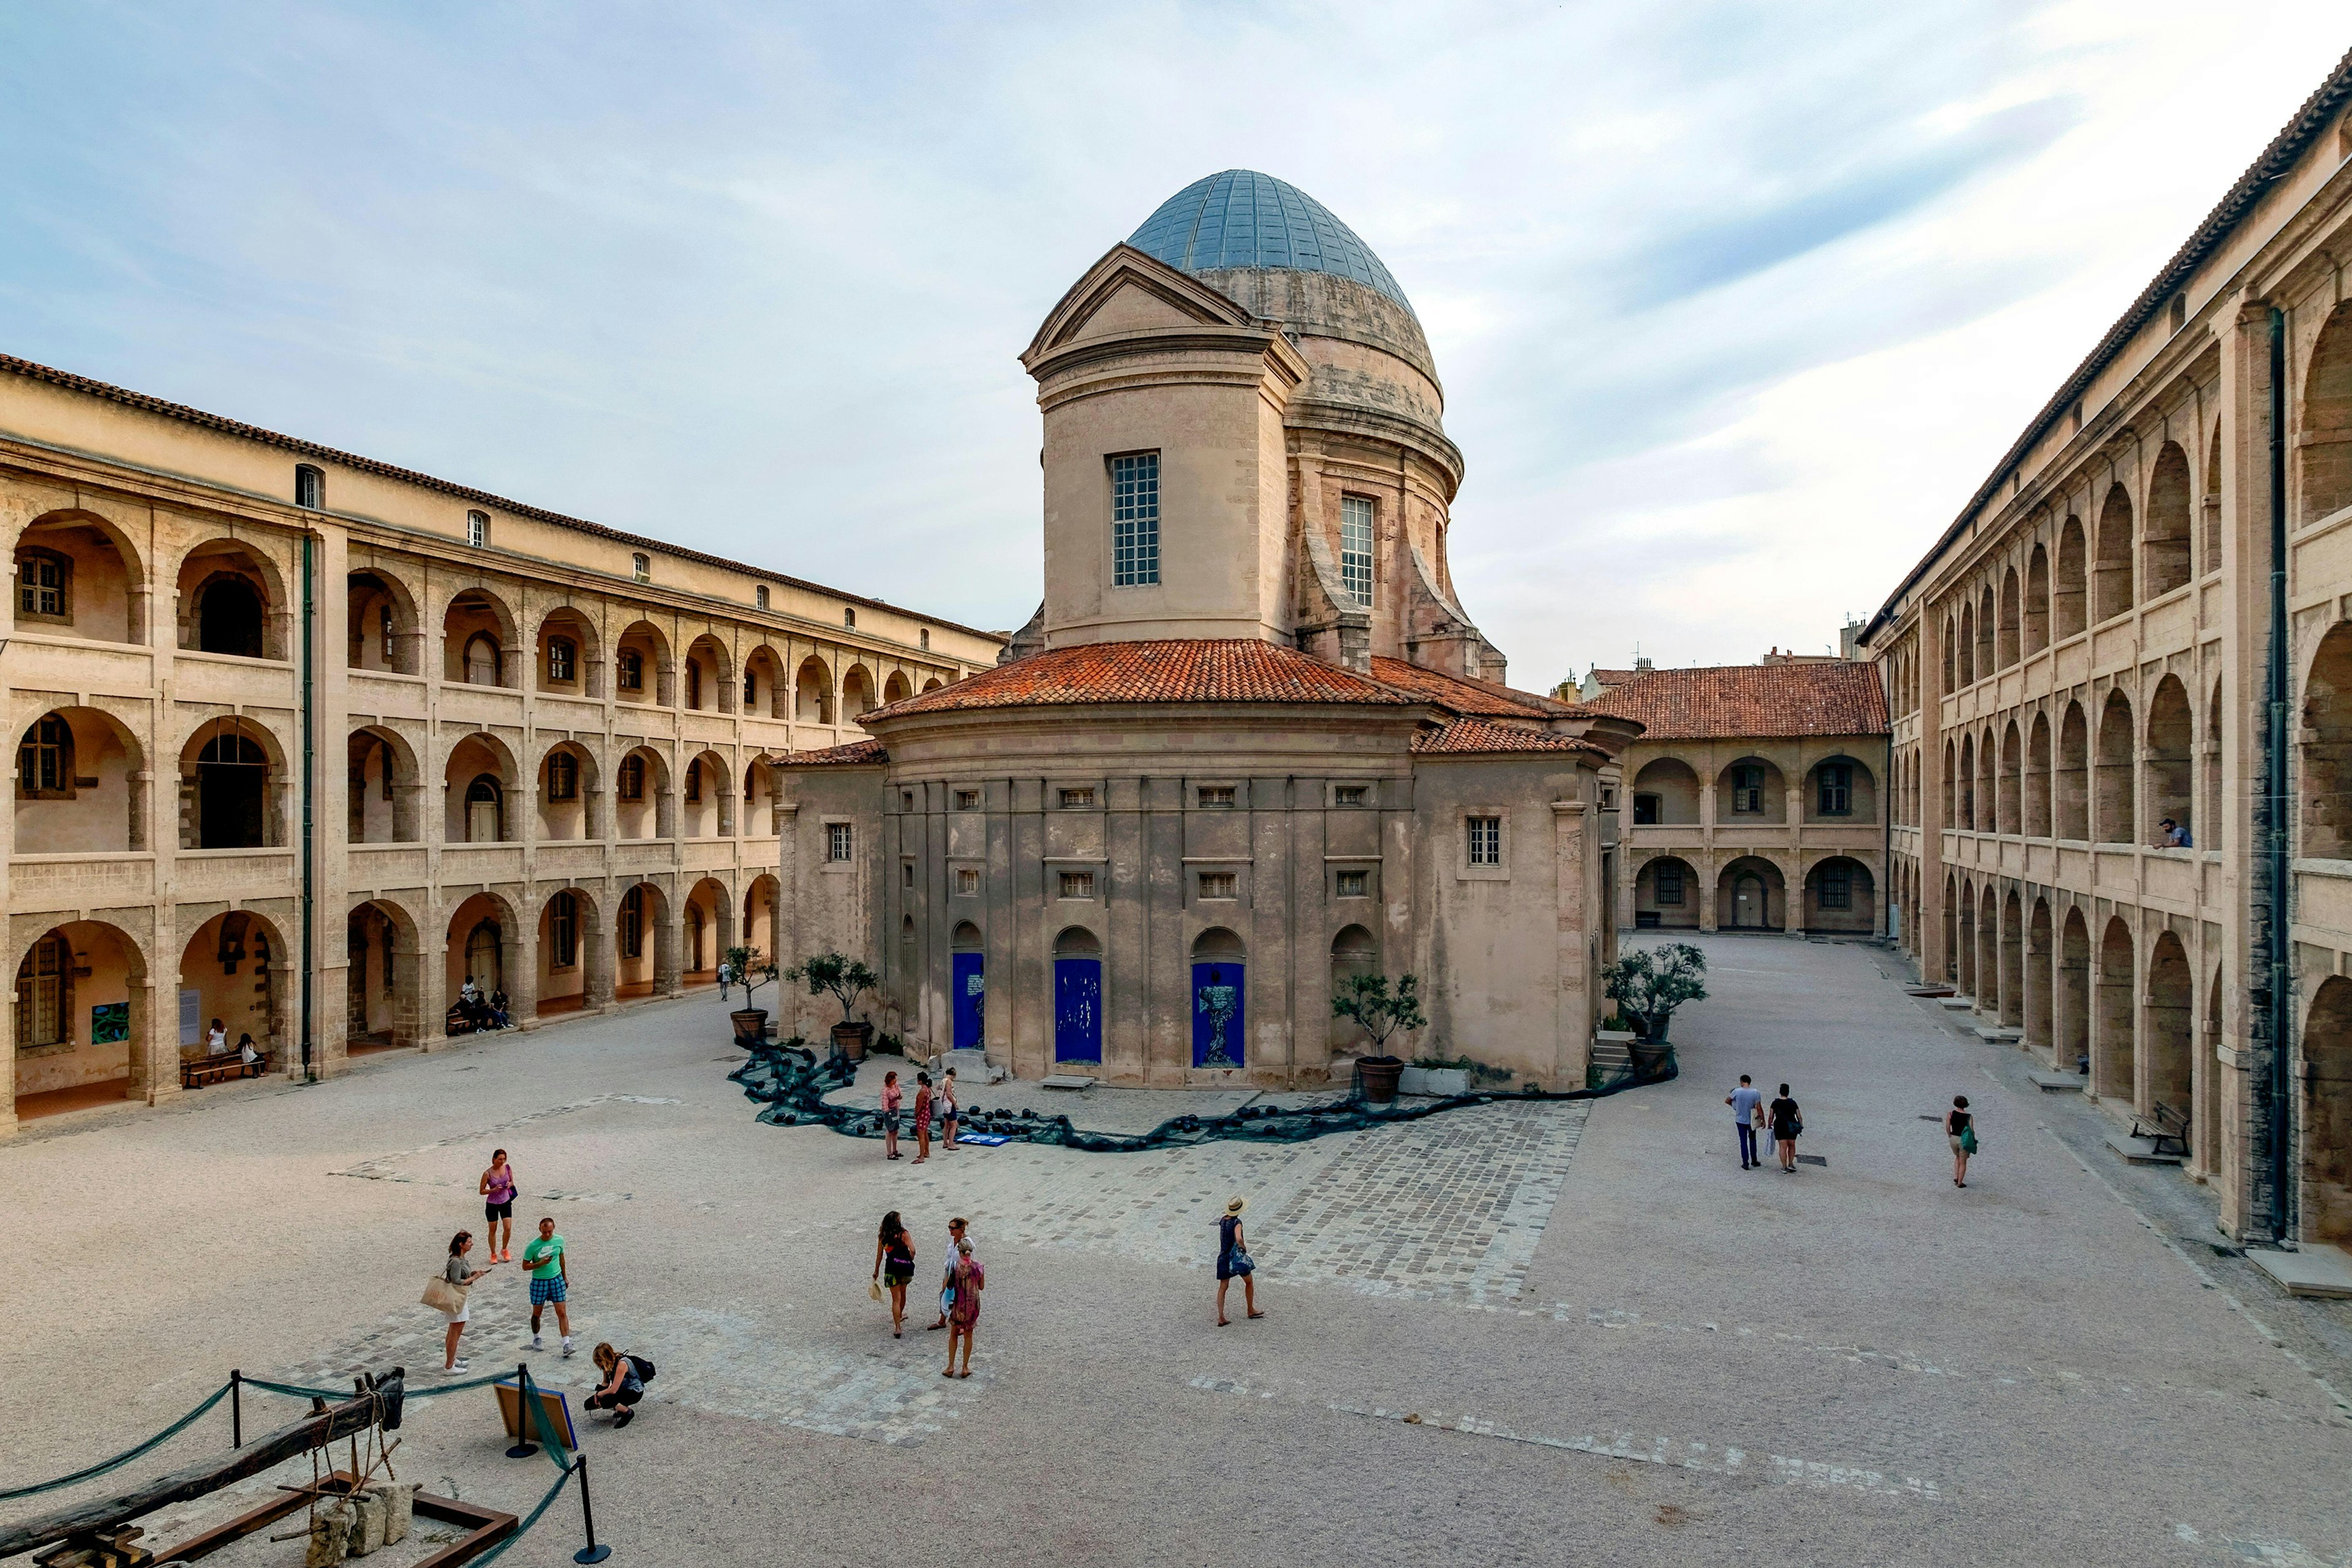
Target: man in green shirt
{"points": [[550, 1281]]}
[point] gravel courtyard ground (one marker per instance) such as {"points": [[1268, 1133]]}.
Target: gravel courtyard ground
{"points": [[1525, 1334]]}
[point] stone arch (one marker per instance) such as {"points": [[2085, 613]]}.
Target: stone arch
{"points": [[2036, 609], [233, 785], [1218, 999], [382, 786], [232, 601], [644, 945], [2115, 1068], [479, 640], [2326, 791], [2008, 643], [2013, 961], [82, 1034], [81, 784], [765, 692], [760, 792], [706, 797], [1964, 942], [1665, 792], [570, 793], [1989, 979], [2010, 803], [642, 669], [79, 576], [2118, 814], [246, 976], [933, 684], [1354, 951], [2212, 504], [2071, 1029], [1987, 647], [1752, 894], [2069, 594], [2209, 809], [896, 689], [2039, 979], [574, 969], [1988, 782], [2111, 562], [2171, 746], [812, 693], [710, 671], [2325, 453], [1840, 789], [1967, 783], [643, 804], [2165, 542], [483, 938], [1952, 786], [857, 693], [1952, 917], [2326, 1114], [1751, 790], [706, 931], [1667, 893], [1967, 643], [1841, 897], [383, 978], [2171, 1026], [569, 657], [760, 915], [1951, 647], [2037, 778], [478, 781], [2070, 784], [380, 613]]}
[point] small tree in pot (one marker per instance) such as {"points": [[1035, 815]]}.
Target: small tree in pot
{"points": [[844, 979], [1380, 1010], [1648, 985], [750, 971]]}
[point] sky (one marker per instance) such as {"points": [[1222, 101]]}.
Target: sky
{"points": [[1734, 305]]}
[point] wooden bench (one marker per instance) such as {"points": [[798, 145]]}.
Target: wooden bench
{"points": [[196, 1072], [2163, 1125]]}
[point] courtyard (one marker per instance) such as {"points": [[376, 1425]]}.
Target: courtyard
{"points": [[1541, 1332]]}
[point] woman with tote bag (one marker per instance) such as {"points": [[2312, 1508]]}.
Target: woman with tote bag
{"points": [[446, 1292]]}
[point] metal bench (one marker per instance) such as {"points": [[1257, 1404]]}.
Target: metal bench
{"points": [[2164, 1125]]}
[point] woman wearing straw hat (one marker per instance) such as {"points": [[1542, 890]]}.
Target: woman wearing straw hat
{"points": [[1233, 1258]]}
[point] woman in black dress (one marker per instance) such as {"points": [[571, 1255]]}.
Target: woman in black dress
{"points": [[894, 1266], [1786, 1124], [1958, 1122], [1232, 1258]]}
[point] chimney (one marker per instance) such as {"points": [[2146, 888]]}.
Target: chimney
{"points": [[1642, 665]]}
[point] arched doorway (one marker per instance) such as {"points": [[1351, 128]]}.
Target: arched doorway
{"points": [[576, 967], [1666, 894], [710, 930], [1353, 952], [2171, 1024], [1749, 896], [228, 976], [2328, 1115], [2117, 1074], [1077, 997], [968, 976], [1219, 994], [2072, 1031], [2012, 962], [483, 941], [2038, 980], [81, 1029], [1840, 897], [381, 982], [232, 791]]}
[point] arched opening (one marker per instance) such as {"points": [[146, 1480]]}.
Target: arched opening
{"points": [[576, 967], [570, 662], [896, 689], [2010, 803], [382, 623], [2039, 956], [1665, 793], [1751, 895], [641, 808], [1750, 791], [1951, 788], [1077, 996], [2012, 620], [2212, 504], [707, 799], [1987, 651], [1840, 898], [2111, 564], [1951, 644], [2207, 1139], [2117, 817], [2037, 601], [2037, 779], [2327, 748], [227, 594], [2170, 741], [2073, 779], [2171, 1026], [2115, 1076], [646, 956], [231, 987], [1988, 784], [759, 916], [567, 789], [710, 930], [1967, 782], [1965, 942], [1968, 643], [380, 788], [2326, 1195], [1220, 992], [1952, 944], [383, 979], [760, 782], [933, 684], [857, 693], [2012, 962], [1666, 894], [764, 692], [476, 633], [710, 681], [641, 667], [1355, 950], [475, 781], [81, 1025], [231, 786], [2165, 545], [2325, 450], [1840, 789], [967, 986], [1989, 979], [77, 577], [482, 942], [2210, 808], [2072, 1027], [813, 688], [77, 786]]}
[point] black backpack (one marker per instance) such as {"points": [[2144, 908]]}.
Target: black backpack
{"points": [[645, 1367]]}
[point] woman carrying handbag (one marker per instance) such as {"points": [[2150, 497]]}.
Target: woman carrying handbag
{"points": [[1234, 1258], [1960, 1130], [446, 1293]]}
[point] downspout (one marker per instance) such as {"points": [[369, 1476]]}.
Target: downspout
{"points": [[2275, 790], [309, 716]]}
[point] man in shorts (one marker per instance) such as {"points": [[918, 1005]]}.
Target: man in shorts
{"points": [[550, 1281]]}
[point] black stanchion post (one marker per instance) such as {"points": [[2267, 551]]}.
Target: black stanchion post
{"points": [[236, 1408], [523, 1448], [591, 1552]]}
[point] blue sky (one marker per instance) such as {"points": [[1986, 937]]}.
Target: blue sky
{"points": [[1733, 304]]}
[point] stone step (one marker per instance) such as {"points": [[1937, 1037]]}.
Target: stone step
{"points": [[2058, 1082], [1998, 1034], [2317, 1270], [1069, 1080], [1958, 1004], [2140, 1151]]}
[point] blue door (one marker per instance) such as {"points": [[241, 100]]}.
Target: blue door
{"points": [[968, 976], [1217, 1014], [1078, 1009]]}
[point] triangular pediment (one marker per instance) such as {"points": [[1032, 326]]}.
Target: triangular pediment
{"points": [[1127, 291]]}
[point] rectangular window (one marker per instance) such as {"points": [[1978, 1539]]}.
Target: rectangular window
{"points": [[840, 838], [633, 923], [1670, 883], [751, 687], [41, 585], [561, 653], [694, 782], [906, 800], [1837, 887], [1356, 548], [1646, 811], [1077, 884], [41, 994], [562, 776], [1747, 789], [1135, 520], [1355, 884], [478, 529], [1220, 884], [1350, 795], [1077, 799], [759, 596], [42, 768], [967, 800], [1217, 794], [310, 487], [563, 931], [923, 640], [641, 567], [1837, 789], [967, 882], [1486, 840], [631, 668], [632, 785], [905, 873]]}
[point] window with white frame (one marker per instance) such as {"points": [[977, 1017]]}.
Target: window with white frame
{"points": [[1077, 799], [1217, 794], [1350, 795], [967, 800], [759, 596], [1356, 548], [1355, 884], [840, 839], [849, 618], [1220, 884], [1135, 520], [478, 529], [641, 567], [923, 640], [1486, 840], [1077, 884], [967, 881], [310, 487]]}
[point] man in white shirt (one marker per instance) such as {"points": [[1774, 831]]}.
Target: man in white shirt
{"points": [[1743, 1101]]}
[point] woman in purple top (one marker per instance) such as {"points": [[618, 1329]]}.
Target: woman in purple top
{"points": [[497, 1206], [892, 1097]]}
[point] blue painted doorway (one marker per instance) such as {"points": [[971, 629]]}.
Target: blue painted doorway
{"points": [[1078, 1009], [969, 979], [1217, 994]]}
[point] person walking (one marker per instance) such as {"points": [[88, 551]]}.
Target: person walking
{"points": [[1743, 1101], [966, 1279], [1960, 1128], [625, 1384], [497, 1206], [956, 1229], [948, 1111], [922, 1116], [461, 1275], [1234, 1258], [1788, 1125], [894, 1266], [892, 1097], [550, 1283]]}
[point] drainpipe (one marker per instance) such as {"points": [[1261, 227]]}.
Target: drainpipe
{"points": [[2279, 952], [309, 715]]}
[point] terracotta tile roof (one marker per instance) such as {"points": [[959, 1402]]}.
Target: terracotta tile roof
{"points": [[1471, 737], [1484, 698], [181, 411], [1617, 676], [1187, 669], [855, 754], [1726, 701]]}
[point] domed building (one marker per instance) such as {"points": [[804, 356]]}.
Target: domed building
{"points": [[1250, 743]]}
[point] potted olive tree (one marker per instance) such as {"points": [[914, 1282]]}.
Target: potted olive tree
{"points": [[844, 979], [1648, 985], [1380, 1010], [750, 971]]}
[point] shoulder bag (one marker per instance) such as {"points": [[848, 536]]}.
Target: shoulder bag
{"points": [[442, 1296]]}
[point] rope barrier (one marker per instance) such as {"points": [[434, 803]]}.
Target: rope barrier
{"points": [[297, 1391], [533, 1518], [116, 1463]]}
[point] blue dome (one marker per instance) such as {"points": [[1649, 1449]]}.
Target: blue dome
{"points": [[1243, 218]]}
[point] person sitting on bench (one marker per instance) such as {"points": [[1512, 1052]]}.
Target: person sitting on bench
{"points": [[245, 1051], [500, 1007]]}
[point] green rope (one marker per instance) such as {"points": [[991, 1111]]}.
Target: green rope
{"points": [[297, 1391], [524, 1528], [548, 1441], [168, 1433]]}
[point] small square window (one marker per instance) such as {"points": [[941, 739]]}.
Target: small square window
{"points": [[1077, 799], [967, 800], [1349, 794], [905, 873], [641, 567], [1486, 840], [1077, 884], [759, 596], [840, 840], [1217, 794], [1355, 884], [478, 529], [967, 882], [1220, 884]]}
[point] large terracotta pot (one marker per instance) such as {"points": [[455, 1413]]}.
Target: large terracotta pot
{"points": [[750, 1025], [1380, 1076], [849, 1039]]}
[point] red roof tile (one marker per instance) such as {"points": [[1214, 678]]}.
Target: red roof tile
{"points": [[1486, 699], [1467, 737], [1616, 677], [1726, 701], [1189, 670], [855, 754]]}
